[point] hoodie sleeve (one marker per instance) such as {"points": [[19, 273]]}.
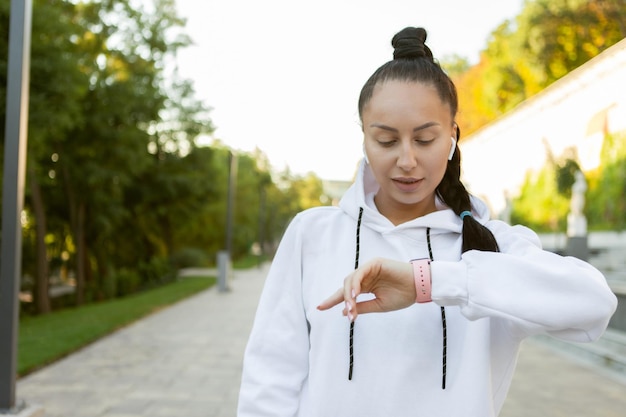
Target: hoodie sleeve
{"points": [[276, 357], [536, 291]]}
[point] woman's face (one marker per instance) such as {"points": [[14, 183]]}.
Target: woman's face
{"points": [[407, 130]]}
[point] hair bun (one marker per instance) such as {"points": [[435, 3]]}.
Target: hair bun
{"points": [[409, 44]]}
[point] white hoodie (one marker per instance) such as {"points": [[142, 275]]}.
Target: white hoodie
{"points": [[296, 361]]}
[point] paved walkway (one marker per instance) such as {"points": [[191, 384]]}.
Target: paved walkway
{"points": [[186, 361], [182, 361], [549, 384]]}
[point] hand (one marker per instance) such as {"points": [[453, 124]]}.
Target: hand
{"points": [[390, 281]]}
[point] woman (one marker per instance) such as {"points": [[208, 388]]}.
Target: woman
{"points": [[407, 230]]}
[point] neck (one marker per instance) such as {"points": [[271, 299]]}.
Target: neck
{"points": [[398, 213]]}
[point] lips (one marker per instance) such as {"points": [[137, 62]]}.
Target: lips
{"points": [[407, 184]]}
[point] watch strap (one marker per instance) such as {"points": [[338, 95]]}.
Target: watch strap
{"points": [[423, 282]]}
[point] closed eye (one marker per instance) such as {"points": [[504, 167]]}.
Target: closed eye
{"points": [[424, 142], [386, 143]]}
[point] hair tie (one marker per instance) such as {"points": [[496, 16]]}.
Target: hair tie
{"points": [[465, 213]]}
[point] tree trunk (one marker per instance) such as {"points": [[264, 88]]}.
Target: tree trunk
{"points": [[77, 224], [41, 294], [168, 235], [81, 256]]}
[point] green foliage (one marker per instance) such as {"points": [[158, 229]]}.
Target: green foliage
{"points": [[43, 339], [508, 79], [118, 188], [309, 189], [454, 65], [157, 270], [476, 107], [126, 281], [546, 41], [566, 176], [544, 200], [564, 34], [539, 205], [189, 257], [249, 261], [606, 203]]}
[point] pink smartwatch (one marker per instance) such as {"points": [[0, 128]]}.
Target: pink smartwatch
{"points": [[421, 275]]}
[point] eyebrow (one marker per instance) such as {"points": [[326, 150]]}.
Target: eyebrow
{"points": [[393, 129]]}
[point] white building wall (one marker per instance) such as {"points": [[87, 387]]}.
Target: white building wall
{"points": [[569, 113]]}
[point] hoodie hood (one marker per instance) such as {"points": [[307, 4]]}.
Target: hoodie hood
{"points": [[441, 221]]}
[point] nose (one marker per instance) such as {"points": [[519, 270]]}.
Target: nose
{"points": [[407, 157]]}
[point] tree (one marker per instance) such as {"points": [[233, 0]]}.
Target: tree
{"points": [[104, 117], [539, 206], [476, 108], [566, 176], [135, 125], [455, 65], [55, 91], [564, 34], [546, 41], [117, 185], [606, 203]]}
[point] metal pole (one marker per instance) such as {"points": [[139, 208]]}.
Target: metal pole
{"points": [[16, 125], [232, 185], [261, 236], [224, 257]]}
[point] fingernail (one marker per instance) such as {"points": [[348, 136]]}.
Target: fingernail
{"points": [[350, 316], [348, 306], [353, 294]]}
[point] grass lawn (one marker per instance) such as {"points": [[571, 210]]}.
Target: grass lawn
{"points": [[44, 339]]}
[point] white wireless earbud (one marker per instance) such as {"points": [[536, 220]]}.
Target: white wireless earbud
{"points": [[365, 155], [452, 148]]}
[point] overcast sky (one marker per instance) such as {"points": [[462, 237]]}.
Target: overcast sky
{"points": [[284, 76]]}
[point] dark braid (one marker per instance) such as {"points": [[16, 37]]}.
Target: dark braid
{"points": [[452, 191], [413, 62]]}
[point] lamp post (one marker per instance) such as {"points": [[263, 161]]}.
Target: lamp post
{"points": [[16, 125], [232, 187], [224, 257]]}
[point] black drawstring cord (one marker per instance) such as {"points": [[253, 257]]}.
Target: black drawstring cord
{"points": [[445, 348], [356, 265], [443, 310], [443, 321]]}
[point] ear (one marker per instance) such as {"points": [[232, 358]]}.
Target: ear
{"points": [[452, 148]]}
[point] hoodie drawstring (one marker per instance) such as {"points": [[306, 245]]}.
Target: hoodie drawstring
{"points": [[443, 310], [356, 265], [443, 322]]}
